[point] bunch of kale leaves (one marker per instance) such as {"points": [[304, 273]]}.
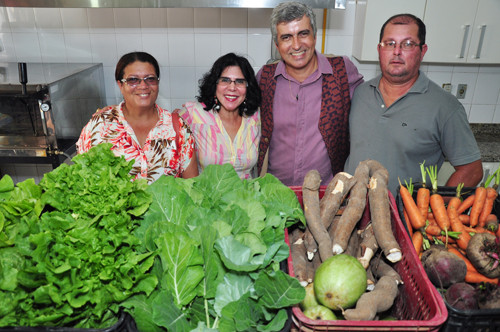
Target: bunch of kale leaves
{"points": [[220, 241]]}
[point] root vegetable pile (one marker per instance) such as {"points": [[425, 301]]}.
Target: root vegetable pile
{"points": [[462, 237], [335, 233]]}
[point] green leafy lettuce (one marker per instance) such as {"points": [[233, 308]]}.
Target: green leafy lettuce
{"points": [[220, 241], [68, 256]]}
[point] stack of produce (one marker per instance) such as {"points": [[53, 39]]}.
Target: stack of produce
{"points": [[178, 255], [337, 258], [67, 255], [220, 241], [457, 239]]}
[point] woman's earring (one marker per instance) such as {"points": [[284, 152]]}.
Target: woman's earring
{"points": [[216, 106], [244, 104]]}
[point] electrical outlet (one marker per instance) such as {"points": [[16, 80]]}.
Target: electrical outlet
{"points": [[461, 90], [447, 87]]}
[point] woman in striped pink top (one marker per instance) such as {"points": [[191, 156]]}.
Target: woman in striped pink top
{"points": [[225, 120]]}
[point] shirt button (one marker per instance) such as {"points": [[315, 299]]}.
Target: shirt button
{"points": [[383, 106], [266, 139]]}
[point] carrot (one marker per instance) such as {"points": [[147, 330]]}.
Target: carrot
{"points": [[477, 230], [407, 221], [441, 239], [455, 201], [440, 213], [417, 220], [437, 202], [457, 226], [455, 223], [491, 222], [468, 263], [430, 215], [464, 218], [491, 195], [466, 203], [423, 194], [476, 278], [431, 222], [477, 206], [433, 229], [417, 239]]}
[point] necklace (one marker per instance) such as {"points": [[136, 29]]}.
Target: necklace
{"points": [[296, 97]]}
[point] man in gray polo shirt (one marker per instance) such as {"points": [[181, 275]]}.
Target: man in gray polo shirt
{"points": [[402, 119]]}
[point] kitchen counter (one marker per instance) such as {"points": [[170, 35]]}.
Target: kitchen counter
{"points": [[488, 140]]}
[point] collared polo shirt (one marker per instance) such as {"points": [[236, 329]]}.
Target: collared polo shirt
{"points": [[426, 124]]}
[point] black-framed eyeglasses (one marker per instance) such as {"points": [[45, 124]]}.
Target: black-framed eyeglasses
{"points": [[405, 45], [226, 81], [135, 81]]}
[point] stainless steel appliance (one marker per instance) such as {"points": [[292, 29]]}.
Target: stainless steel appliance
{"points": [[43, 108]]}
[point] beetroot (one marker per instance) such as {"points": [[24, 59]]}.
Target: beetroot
{"points": [[442, 267], [488, 296], [483, 252], [462, 296]]}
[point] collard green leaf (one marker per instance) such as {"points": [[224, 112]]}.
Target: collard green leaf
{"points": [[213, 269], [139, 307], [231, 289], [216, 180], [278, 290], [166, 314], [236, 256], [203, 328], [277, 322], [170, 202], [241, 315], [182, 262]]}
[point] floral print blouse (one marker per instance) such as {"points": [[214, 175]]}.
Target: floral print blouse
{"points": [[159, 155], [214, 145]]}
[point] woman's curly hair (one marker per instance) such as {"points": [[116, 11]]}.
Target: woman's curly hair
{"points": [[208, 84]]}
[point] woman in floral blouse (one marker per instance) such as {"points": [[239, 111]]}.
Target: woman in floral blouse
{"points": [[226, 119], [138, 128]]}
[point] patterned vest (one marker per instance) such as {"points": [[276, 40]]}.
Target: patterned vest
{"points": [[334, 118]]}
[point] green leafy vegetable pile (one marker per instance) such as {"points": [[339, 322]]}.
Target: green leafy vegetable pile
{"points": [[67, 253], [199, 254], [220, 241]]}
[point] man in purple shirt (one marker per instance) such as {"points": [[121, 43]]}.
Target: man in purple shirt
{"points": [[306, 101]]}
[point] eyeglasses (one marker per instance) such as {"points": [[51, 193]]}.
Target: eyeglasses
{"points": [[239, 82], [405, 45], [135, 81]]}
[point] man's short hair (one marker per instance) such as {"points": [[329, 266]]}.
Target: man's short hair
{"points": [[290, 11], [405, 19]]}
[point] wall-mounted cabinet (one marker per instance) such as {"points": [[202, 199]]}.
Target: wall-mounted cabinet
{"points": [[458, 31], [463, 31], [370, 15]]}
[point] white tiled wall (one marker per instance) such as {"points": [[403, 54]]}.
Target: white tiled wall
{"points": [[186, 41]]}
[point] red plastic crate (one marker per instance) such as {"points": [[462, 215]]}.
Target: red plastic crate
{"points": [[418, 306]]}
